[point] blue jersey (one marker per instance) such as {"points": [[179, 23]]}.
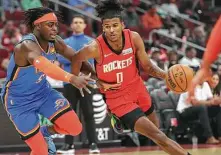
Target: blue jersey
{"points": [[27, 83]]}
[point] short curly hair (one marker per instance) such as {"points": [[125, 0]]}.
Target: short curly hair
{"points": [[107, 9]]}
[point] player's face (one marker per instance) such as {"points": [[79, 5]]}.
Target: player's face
{"points": [[49, 30], [78, 25], [113, 29]]}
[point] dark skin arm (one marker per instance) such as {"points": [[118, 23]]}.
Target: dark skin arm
{"points": [[88, 52], [144, 59], [28, 51], [69, 53], [91, 51]]}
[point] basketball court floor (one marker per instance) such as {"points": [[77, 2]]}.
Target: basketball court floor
{"points": [[200, 150]]}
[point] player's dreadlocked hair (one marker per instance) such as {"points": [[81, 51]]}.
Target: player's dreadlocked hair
{"points": [[33, 14], [108, 9]]}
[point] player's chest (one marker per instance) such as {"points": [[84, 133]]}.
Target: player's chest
{"points": [[112, 61]]}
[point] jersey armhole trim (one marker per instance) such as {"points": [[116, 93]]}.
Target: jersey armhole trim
{"points": [[100, 52], [131, 42]]}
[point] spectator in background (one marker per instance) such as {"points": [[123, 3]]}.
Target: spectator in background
{"points": [[219, 70], [23, 29], [151, 20], [9, 36], [170, 7], [158, 58], [4, 61], [77, 41], [11, 5], [81, 5], [215, 85], [186, 36], [199, 38], [131, 18], [190, 58], [125, 2], [203, 107], [172, 58]]}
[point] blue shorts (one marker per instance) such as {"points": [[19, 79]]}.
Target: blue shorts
{"points": [[24, 112]]}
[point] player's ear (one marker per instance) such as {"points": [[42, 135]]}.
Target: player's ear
{"points": [[123, 25], [38, 26]]}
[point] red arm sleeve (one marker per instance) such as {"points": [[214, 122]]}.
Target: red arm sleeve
{"points": [[52, 70], [213, 47]]}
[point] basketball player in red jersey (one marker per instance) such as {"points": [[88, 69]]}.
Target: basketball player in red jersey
{"points": [[116, 53], [213, 48]]}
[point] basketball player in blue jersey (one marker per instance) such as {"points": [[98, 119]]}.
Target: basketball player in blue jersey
{"points": [[26, 92]]}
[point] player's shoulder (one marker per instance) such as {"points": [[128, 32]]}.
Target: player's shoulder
{"points": [[26, 45], [92, 46], [134, 34]]}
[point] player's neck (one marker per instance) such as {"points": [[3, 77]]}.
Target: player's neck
{"points": [[116, 45], [43, 43]]}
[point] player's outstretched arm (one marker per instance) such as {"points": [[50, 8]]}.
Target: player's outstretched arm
{"points": [[213, 47], [90, 51], [32, 53], [144, 59], [69, 53]]}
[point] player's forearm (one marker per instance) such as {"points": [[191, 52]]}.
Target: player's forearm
{"points": [[154, 71], [51, 70], [76, 66], [213, 46]]}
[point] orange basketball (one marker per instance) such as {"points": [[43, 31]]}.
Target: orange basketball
{"points": [[179, 77]]}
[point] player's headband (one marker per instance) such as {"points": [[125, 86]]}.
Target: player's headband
{"points": [[51, 17]]}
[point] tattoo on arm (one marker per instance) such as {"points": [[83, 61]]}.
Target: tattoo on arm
{"points": [[155, 71]]}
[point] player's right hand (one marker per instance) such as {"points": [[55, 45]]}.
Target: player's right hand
{"points": [[81, 82]]}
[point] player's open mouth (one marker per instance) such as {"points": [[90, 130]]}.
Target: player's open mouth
{"points": [[53, 35]]}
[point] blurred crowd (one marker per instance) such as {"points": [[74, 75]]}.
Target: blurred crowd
{"points": [[144, 16], [141, 16]]}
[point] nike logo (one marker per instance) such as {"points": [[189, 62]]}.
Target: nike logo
{"points": [[106, 55]]}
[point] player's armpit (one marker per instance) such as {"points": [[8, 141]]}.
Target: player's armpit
{"points": [[52, 70], [144, 59]]}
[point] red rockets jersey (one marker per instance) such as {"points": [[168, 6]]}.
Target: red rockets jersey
{"points": [[116, 67]]}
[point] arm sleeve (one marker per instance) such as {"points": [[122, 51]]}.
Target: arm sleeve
{"points": [[51, 70]]}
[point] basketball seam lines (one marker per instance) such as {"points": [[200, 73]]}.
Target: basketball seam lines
{"points": [[185, 76], [171, 87], [176, 81], [167, 81]]}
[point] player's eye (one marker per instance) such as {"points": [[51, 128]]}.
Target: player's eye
{"points": [[115, 25], [50, 24]]}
